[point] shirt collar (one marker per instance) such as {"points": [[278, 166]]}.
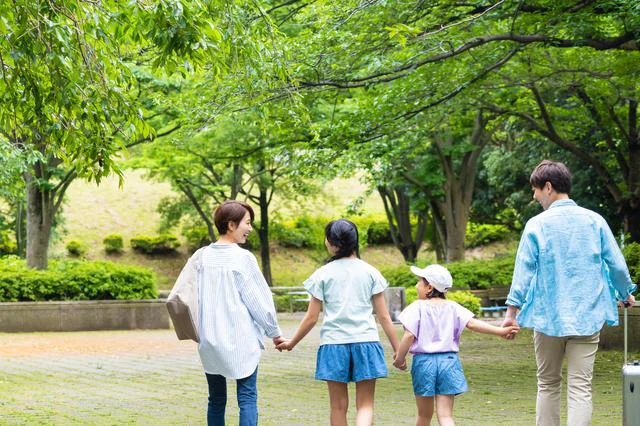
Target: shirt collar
{"points": [[561, 203]]}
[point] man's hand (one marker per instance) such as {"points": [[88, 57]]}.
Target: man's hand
{"points": [[631, 301], [510, 321]]}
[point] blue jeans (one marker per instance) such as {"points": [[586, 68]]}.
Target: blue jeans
{"points": [[247, 399]]}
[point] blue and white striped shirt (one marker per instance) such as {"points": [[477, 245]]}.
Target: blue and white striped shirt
{"points": [[236, 310]]}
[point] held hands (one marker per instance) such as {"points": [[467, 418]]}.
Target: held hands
{"points": [[509, 332], [511, 327], [399, 362], [285, 344], [278, 340]]}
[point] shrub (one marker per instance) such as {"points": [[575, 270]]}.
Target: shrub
{"points": [[196, 237], [7, 245], [410, 295], [466, 299], [479, 235], [113, 243], [632, 256], [379, 233], [161, 244], [76, 248], [287, 236], [481, 274], [74, 280], [473, 274]]}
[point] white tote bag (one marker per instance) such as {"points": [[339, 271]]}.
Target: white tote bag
{"points": [[182, 302]]}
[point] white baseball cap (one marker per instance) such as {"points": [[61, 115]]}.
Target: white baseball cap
{"points": [[436, 275]]}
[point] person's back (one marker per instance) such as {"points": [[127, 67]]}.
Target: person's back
{"points": [[569, 271], [439, 322], [345, 287], [569, 292], [229, 334]]}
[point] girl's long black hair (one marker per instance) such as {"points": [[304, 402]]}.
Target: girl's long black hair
{"points": [[343, 234]]}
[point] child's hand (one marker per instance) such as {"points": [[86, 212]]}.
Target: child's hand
{"points": [[399, 362], [285, 345], [509, 332], [277, 340]]}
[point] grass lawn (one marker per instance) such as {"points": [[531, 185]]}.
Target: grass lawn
{"points": [[148, 377]]}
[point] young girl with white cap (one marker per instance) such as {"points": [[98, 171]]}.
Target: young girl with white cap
{"points": [[433, 326]]}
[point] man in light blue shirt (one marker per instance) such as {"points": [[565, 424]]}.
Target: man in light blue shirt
{"points": [[568, 274]]}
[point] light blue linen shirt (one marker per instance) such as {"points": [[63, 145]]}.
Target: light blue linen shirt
{"points": [[569, 271], [345, 287]]}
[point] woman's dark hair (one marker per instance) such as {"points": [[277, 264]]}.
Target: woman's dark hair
{"points": [[343, 234], [551, 171], [230, 211]]}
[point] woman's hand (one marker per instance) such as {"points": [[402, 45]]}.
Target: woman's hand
{"points": [[277, 340], [285, 345]]}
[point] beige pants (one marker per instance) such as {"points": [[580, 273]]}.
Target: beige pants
{"points": [[581, 353]]}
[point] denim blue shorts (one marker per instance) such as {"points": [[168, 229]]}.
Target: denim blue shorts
{"points": [[351, 362], [437, 374]]}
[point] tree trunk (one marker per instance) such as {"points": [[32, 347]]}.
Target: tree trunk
{"points": [[263, 234], [40, 213], [452, 213], [20, 229], [397, 206], [632, 223]]}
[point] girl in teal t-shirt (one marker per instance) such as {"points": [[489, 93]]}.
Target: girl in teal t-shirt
{"points": [[348, 290]]}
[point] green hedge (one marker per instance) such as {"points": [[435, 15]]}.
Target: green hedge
{"points": [[196, 237], [76, 248], [161, 244], [473, 274], [379, 233], [74, 280], [113, 243], [480, 235], [7, 245], [464, 297], [632, 255]]}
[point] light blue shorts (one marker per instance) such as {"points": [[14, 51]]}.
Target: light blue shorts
{"points": [[437, 374], [351, 362]]}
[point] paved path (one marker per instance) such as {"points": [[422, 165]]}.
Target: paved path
{"points": [[151, 378], [148, 377]]}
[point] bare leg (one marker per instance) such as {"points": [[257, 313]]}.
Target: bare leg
{"points": [[365, 393], [425, 410], [444, 410], [339, 402]]}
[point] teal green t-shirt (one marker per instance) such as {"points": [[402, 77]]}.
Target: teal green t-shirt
{"points": [[345, 287]]}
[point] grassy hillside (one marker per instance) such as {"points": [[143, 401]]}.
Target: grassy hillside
{"points": [[92, 212]]}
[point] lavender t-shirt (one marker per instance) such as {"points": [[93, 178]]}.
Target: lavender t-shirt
{"points": [[437, 326]]}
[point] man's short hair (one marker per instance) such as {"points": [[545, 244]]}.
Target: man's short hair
{"points": [[554, 172], [230, 211]]}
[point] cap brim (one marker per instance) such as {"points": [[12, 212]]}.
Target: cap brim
{"points": [[417, 271]]}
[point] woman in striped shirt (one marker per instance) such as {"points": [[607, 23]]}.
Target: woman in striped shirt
{"points": [[236, 311]]}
